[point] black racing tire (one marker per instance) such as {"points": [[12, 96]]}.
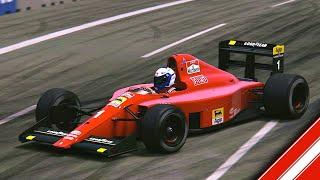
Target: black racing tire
{"points": [[286, 96], [62, 118], [163, 129]]}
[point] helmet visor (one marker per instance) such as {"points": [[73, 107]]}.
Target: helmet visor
{"points": [[160, 81]]}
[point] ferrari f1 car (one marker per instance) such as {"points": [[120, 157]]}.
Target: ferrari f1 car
{"points": [[206, 96]]}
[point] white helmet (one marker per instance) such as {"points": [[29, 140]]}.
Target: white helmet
{"points": [[164, 77]]}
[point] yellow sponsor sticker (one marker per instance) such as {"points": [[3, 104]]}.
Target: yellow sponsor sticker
{"points": [[101, 150], [232, 42], [117, 102], [217, 116], [278, 49], [30, 138]]}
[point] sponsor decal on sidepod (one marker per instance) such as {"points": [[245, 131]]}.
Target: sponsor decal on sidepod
{"points": [[198, 80], [217, 116], [193, 66]]}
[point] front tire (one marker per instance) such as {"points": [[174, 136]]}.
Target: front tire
{"points": [[286, 96], [52, 105], [164, 129]]}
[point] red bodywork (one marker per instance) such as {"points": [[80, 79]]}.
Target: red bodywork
{"points": [[202, 88]]}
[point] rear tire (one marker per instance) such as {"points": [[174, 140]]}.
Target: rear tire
{"points": [[164, 129], [62, 118], [286, 96]]}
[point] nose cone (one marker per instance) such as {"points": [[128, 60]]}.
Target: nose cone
{"points": [[63, 143], [67, 141]]}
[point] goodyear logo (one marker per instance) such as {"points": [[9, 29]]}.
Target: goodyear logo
{"points": [[278, 49], [256, 44]]}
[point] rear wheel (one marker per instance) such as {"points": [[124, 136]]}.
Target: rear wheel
{"points": [[286, 95], [54, 105], [164, 129]]}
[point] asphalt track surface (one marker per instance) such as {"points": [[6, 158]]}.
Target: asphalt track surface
{"points": [[95, 62]]}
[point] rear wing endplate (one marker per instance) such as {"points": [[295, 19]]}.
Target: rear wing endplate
{"points": [[251, 49]]}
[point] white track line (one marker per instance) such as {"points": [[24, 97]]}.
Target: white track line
{"points": [[182, 40], [233, 159], [283, 3], [86, 26], [18, 114]]}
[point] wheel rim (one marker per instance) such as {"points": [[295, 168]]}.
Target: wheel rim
{"points": [[173, 131], [300, 97]]}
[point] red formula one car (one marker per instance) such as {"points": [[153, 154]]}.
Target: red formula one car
{"points": [[206, 96]]}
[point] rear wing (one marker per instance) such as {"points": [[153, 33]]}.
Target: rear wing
{"points": [[251, 49]]}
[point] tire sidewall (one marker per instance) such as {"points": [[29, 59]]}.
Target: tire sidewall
{"points": [[152, 123], [52, 98], [279, 93], [165, 117], [294, 112]]}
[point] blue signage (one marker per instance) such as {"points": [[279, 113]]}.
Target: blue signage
{"points": [[8, 6]]}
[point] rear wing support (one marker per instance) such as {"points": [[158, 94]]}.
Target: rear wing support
{"points": [[251, 49]]}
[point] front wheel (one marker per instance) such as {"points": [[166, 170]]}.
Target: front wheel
{"points": [[164, 129], [286, 95], [52, 105]]}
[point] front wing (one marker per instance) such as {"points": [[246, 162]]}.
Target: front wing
{"points": [[98, 145]]}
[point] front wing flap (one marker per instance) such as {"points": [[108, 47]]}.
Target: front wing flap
{"points": [[97, 145]]}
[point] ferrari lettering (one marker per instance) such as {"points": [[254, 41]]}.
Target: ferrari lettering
{"points": [[233, 112], [198, 80], [255, 44]]}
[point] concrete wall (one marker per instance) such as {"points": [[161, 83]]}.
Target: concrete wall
{"points": [[26, 5]]}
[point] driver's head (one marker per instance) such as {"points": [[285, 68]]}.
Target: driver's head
{"points": [[164, 77]]}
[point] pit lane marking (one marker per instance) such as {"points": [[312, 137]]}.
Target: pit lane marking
{"points": [[283, 3], [18, 114], [234, 158], [183, 40], [87, 25]]}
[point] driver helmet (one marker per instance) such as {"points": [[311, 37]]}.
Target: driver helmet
{"points": [[164, 77]]}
